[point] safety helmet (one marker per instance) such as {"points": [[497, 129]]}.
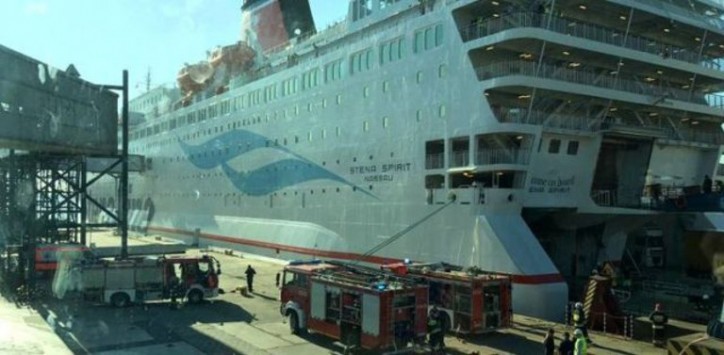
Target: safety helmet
{"points": [[577, 333], [579, 305]]}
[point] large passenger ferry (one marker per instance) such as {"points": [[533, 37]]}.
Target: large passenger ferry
{"points": [[548, 134]]}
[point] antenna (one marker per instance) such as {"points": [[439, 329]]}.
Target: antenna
{"points": [[148, 80]]}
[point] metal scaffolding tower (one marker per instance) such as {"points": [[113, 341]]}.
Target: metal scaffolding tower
{"points": [[52, 125]]}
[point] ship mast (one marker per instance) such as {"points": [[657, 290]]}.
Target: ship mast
{"points": [[148, 80]]}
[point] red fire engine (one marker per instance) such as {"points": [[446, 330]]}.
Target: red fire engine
{"points": [[47, 256], [363, 307], [471, 301]]}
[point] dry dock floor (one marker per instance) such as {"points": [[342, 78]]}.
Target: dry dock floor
{"points": [[234, 323]]}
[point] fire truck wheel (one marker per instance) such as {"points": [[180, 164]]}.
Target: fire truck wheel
{"points": [[120, 300], [195, 297], [293, 322]]}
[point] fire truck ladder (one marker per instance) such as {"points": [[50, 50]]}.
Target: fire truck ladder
{"points": [[401, 233]]}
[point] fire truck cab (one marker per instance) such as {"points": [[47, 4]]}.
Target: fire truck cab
{"points": [[472, 301], [48, 256], [362, 307]]}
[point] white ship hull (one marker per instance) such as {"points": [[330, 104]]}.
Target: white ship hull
{"points": [[298, 165]]}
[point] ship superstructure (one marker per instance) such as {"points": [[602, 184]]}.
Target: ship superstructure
{"points": [[560, 126]]}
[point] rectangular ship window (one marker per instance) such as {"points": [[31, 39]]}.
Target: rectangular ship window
{"points": [[572, 147], [554, 146]]}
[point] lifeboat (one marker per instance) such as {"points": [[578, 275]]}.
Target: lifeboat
{"points": [[237, 57], [193, 78]]}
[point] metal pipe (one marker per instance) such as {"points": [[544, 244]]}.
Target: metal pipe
{"points": [[698, 60], [83, 200], [124, 170]]}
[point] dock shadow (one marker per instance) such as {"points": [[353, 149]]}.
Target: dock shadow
{"points": [[506, 343], [336, 347], [94, 324]]}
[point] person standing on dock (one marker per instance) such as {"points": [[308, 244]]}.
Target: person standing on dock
{"points": [[566, 345], [434, 329], [658, 323], [579, 320], [707, 186], [581, 347], [550, 342], [250, 272]]}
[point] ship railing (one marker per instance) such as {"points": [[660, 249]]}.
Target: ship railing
{"points": [[687, 134], [592, 124], [672, 8], [492, 196], [593, 78], [502, 156], [535, 117], [584, 30], [459, 158], [434, 161]]}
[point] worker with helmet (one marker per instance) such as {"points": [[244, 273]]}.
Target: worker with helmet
{"points": [[579, 320], [434, 329], [581, 345], [658, 323]]}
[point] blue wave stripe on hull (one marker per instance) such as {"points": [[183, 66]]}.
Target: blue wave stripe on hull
{"points": [[261, 181]]}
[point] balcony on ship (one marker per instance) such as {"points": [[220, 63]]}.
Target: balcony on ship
{"points": [[486, 169], [695, 37], [501, 189], [653, 88], [502, 148]]}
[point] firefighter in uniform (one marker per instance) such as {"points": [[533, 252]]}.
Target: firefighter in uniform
{"points": [[658, 323], [579, 320], [434, 328]]}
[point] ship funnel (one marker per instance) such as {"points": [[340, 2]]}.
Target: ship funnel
{"points": [[268, 25]]}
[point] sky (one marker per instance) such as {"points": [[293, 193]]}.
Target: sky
{"points": [[103, 37]]}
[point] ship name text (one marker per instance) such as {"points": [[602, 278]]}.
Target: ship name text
{"points": [[380, 172], [557, 185]]}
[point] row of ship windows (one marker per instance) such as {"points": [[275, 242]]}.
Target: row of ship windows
{"points": [[224, 110], [173, 124], [221, 152], [554, 146], [384, 123], [146, 103], [390, 51], [283, 193], [136, 204]]}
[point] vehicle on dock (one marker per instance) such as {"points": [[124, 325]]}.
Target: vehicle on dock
{"points": [[135, 280], [48, 256], [472, 301], [363, 307]]}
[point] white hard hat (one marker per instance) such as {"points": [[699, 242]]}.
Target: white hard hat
{"points": [[579, 305], [578, 333]]}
